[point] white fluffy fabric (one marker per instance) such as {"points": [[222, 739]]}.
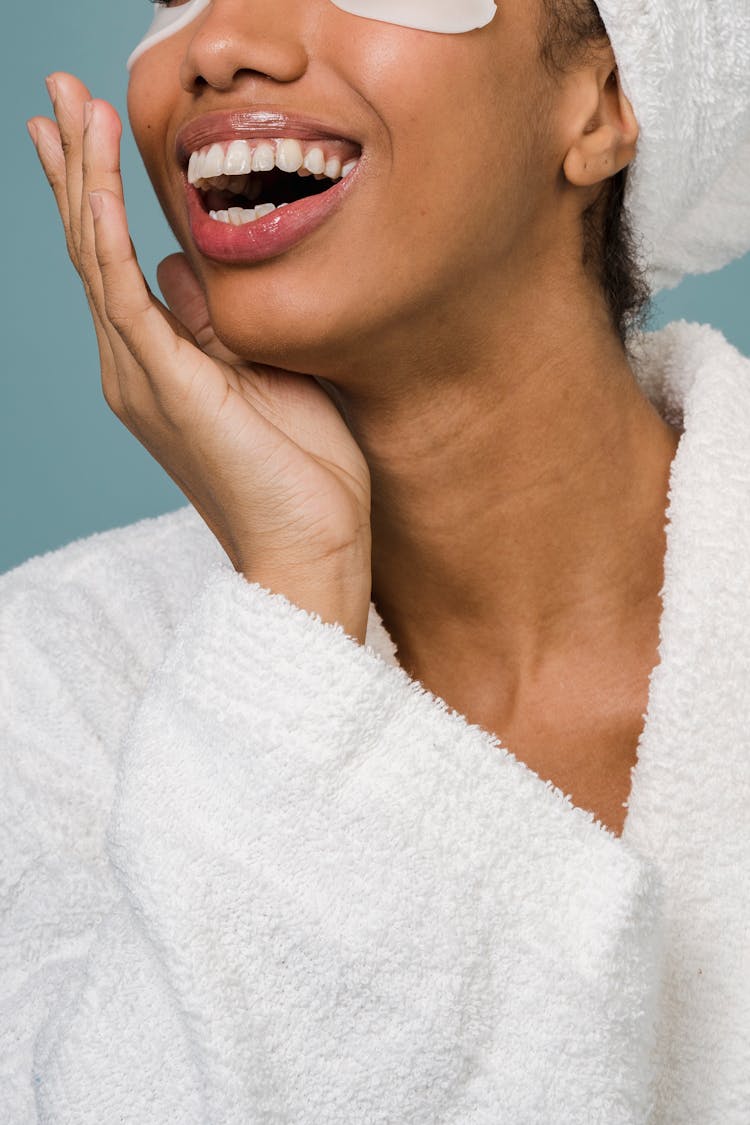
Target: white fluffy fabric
{"points": [[685, 66], [251, 872]]}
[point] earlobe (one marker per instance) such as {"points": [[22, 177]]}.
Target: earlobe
{"points": [[607, 143]]}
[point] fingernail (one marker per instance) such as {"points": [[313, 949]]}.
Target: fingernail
{"points": [[88, 109], [33, 133], [95, 203], [51, 88]]}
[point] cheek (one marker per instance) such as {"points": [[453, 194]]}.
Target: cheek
{"points": [[151, 99], [152, 93], [455, 132], [148, 102]]}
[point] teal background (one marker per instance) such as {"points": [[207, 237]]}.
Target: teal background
{"points": [[68, 466]]}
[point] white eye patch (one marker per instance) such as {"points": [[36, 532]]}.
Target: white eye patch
{"points": [[166, 22], [446, 16]]}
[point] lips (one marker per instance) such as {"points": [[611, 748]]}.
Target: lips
{"points": [[256, 123], [269, 236], [282, 229]]}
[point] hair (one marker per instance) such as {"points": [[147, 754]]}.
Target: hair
{"points": [[570, 30]]}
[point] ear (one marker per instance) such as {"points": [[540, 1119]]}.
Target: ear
{"points": [[605, 130]]}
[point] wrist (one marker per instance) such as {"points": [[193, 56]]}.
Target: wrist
{"points": [[339, 594]]}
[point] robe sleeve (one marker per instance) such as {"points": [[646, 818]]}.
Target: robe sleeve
{"points": [[68, 676], [341, 902]]}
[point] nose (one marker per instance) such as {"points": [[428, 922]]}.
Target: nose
{"points": [[235, 38]]}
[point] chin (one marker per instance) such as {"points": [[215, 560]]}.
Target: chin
{"points": [[286, 331], [268, 316]]}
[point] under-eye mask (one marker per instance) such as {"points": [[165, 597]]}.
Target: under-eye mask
{"points": [[446, 16]]}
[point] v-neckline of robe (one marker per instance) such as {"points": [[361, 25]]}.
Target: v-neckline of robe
{"points": [[636, 770], [654, 379]]}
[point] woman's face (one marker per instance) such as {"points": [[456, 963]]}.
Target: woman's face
{"points": [[452, 195]]}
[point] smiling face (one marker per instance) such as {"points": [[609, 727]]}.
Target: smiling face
{"points": [[451, 160]]}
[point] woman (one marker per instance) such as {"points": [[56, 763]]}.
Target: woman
{"points": [[316, 789]]}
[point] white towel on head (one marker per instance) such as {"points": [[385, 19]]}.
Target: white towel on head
{"points": [[685, 67]]}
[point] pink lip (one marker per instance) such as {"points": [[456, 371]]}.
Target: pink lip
{"points": [[267, 237], [282, 229]]}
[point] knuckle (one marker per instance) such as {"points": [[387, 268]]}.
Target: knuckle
{"points": [[120, 320], [133, 405], [53, 180], [112, 396], [72, 249], [87, 260], [119, 398]]}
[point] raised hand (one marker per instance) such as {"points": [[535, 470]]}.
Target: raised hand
{"points": [[263, 455]]}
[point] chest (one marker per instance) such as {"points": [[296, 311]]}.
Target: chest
{"points": [[597, 777], [591, 761], [581, 733]]}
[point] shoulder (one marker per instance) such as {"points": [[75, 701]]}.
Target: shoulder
{"points": [[168, 551], [685, 362], [110, 597], [81, 628]]}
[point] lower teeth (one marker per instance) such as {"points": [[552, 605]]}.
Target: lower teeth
{"points": [[238, 216]]}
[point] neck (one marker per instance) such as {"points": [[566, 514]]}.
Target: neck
{"points": [[517, 504]]}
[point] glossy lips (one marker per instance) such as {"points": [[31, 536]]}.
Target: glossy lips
{"points": [[228, 165], [269, 235]]}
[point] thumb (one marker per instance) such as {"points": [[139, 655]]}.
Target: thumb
{"points": [[184, 296]]}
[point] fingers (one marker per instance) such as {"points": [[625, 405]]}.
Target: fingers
{"points": [[68, 96], [186, 299], [59, 147], [184, 296], [129, 304], [46, 137], [147, 366], [153, 337], [100, 168], [48, 141]]}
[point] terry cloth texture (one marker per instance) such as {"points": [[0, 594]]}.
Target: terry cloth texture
{"points": [[685, 67], [251, 872]]}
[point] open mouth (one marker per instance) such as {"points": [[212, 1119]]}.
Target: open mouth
{"points": [[241, 181]]}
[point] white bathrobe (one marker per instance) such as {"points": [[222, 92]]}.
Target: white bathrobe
{"points": [[254, 873]]}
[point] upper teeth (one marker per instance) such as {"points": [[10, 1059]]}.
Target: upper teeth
{"points": [[239, 158]]}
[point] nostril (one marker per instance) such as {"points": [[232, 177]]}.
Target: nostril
{"points": [[200, 81], [247, 73], [228, 50]]}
